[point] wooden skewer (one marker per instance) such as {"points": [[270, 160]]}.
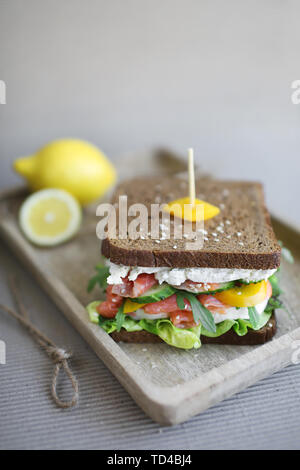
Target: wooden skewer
{"points": [[191, 176]]}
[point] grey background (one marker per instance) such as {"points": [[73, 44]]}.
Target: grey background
{"points": [[130, 75], [133, 74]]}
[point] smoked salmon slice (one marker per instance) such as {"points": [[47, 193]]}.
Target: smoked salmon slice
{"points": [[135, 288], [115, 293], [143, 283], [212, 303], [193, 286], [124, 289], [167, 305]]}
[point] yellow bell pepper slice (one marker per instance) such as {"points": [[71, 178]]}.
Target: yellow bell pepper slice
{"points": [[130, 306], [183, 209], [244, 296]]}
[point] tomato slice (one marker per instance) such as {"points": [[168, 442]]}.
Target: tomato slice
{"points": [[213, 304], [246, 295], [110, 306], [182, 319]]}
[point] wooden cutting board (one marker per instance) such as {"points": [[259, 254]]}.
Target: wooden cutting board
{"points": [[169, 384]]}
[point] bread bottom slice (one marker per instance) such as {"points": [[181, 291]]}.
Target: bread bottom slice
{"points": [[230, 337]]}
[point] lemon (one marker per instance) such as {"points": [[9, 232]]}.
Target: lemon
{"points": [[49, 217], [71, 164]]}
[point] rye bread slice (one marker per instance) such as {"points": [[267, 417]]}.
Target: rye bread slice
{"points": [[251, 338], [240, 237]]}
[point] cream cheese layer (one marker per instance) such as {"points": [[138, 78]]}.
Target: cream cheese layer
{"points": [[176, 276]]}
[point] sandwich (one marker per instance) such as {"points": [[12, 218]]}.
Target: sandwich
{"points": [[158, 290]]}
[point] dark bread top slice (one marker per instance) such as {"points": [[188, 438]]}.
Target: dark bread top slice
{"points": [[240, 237], [230, 337]]}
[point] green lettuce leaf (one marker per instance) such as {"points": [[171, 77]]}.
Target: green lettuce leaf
{"points": [[221, 328], [170, 334], [254, 317], [110, 324], [129, 324], [184, 338], [240, 326], [275, 285], [164, 328], [91, 310]]}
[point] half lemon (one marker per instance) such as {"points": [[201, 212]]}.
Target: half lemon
{"points": [[50, 216]]}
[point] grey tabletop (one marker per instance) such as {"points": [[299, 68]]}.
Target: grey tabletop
{"points": [[266, 415]]}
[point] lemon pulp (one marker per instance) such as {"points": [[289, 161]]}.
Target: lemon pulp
{"points": [[49, 217]]}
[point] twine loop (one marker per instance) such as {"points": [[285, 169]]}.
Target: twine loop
{"points": [[59, 356]]}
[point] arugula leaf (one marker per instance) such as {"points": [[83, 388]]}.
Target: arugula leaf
{"points": [[102, 273], [242, 281], [103, 321], [286, 253], [275, 303], [200, 313], [180, 300], [120, 317], [253, 316], [91, 284], [275, 285], [100, 278]]}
